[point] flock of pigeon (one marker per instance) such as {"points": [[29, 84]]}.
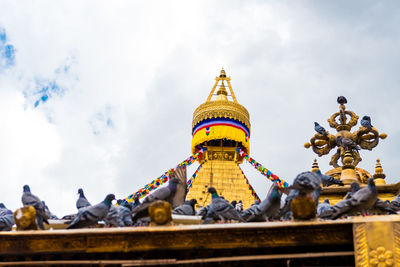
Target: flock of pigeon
{"points": [[302, 195]]}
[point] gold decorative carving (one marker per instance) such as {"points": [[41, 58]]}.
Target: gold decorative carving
{"points": [[221, 109], [25, 218], [160, 213], [376, 243], [343, 121], [381, 257]]}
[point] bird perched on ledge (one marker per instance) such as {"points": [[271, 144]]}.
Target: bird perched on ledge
{"points": [[319, 129], [268, 209], [328, 180], [166, 193], [347, 143], [82, 201], [91, 215], [366, 122], [220, 208], [29, 199], [6, 218], [186, 209], [303, 196], [361, 201]]}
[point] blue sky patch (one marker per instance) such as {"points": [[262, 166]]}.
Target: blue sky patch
{"points": [[7, 51]]}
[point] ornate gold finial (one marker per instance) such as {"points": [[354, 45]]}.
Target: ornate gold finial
{"points": [[343, 121], [222, 91], [223, 74], [315, 166], [379, 176], [348, 174]]}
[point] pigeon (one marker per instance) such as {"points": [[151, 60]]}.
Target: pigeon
{"points": [[395, 203], [384, 206], [6, 218], [354, 187], [186, 209], [328, 180], [306, 188], [48, 212], [322, 207], [234, 203], [113, 217], [268, 209], [201, 211], [125, 214], [341, 100], [165, 193], [361, 201], [347, 143], [220, 208], [82, 201], [366, 122], [319, 129], [29, 199], [239, 206], [135, 203], [92, 214], [306, 182]]}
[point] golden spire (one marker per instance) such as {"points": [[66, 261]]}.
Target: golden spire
{"points": [[315, 166], [222, 93], [379, 176]]}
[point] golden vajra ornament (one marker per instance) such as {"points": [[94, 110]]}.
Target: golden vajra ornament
{"points": [[342, 122]]}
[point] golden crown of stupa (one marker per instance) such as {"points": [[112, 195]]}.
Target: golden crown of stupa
{"points": [[229, 119]]}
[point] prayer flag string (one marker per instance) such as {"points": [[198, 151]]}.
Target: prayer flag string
{"points": [[164, 177], [264, 171], [191, 180]]}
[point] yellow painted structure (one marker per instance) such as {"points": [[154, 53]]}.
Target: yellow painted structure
{"points": [[221, 125]]}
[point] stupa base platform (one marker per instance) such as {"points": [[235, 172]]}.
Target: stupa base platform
{"points": [[318, 243]]}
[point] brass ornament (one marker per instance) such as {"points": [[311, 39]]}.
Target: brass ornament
{"points": [[25, 218], [343, 121], [379, 176], [160, 213]]}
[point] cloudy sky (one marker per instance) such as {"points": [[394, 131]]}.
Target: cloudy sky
{"points": [[100, 94]]}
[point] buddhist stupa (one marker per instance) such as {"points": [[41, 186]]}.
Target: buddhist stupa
{"points": [[221, 125]]}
